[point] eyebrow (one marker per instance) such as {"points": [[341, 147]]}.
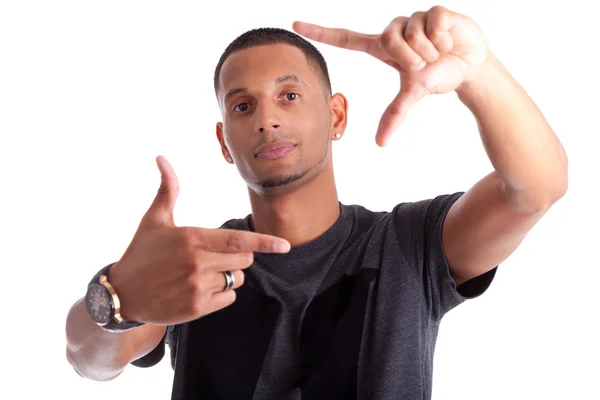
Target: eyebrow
{"points": [[281, 79]]}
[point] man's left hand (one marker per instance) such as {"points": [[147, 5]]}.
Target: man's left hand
{"points": [[435, 52]]}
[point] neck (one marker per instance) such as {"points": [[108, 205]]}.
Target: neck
{"points": [[300, 215]]}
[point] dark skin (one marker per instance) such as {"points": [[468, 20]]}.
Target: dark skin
{"points": [[438, 51], [293, 197], [172, 274]]}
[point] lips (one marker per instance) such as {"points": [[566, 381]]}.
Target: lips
{"points": [[275, 149]]}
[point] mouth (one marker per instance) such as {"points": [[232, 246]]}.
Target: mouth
{"points": [[275, 150]]}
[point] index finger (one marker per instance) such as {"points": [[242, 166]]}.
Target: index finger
{"points": [[343, 38], [236, 241]]}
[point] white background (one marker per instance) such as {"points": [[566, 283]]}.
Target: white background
{"points": [[92, 92]]}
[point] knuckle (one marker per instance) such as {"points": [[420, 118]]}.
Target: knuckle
{"points": [[399, 20], [198, 306], [195, 287], [233, 242], [186, 240], [201, 303], [200, 261], [393, 110], [189, 264], [388, 40], [437, 9], [200, 264], [414, 38], [344, 38], [435, 33]]}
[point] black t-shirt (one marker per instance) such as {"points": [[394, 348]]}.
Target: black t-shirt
{"points": [[354, 314]]}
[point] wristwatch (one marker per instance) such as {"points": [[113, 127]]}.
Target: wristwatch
{"points": [[103, 305]]}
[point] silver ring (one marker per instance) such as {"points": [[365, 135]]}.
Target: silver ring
{"points": [[230, 280]]}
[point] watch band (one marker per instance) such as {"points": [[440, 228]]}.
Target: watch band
{"points": [[117, 323]]}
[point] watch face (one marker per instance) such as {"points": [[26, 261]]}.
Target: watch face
{"points": [[98, 304]]}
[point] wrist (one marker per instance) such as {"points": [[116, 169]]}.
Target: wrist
{"points": [[104, 304], [484, 82], [118, 280]]}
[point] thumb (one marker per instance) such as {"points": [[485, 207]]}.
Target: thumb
{"points": [[410, 94], [160, 212]]}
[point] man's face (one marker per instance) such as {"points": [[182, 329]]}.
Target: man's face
{"points": [[271, 94]]}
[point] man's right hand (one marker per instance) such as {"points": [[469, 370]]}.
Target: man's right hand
{"points": [[170, 275]]}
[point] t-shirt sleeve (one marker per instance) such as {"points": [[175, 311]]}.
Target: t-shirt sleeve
{"points": [[157, 354], [420, 224]]}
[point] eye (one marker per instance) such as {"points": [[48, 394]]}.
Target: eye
{"points": [[241, 107], [291, 96]]}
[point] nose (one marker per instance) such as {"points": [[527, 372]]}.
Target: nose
{"points": [[266, 118]]}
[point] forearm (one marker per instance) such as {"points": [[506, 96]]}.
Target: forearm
{"points": [[521, 146], [93, 352]]}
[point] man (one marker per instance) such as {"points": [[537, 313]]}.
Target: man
{"points": [[309, 298]]}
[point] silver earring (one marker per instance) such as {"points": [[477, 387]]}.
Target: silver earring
{"points": [[230, 159], [337, 136]]}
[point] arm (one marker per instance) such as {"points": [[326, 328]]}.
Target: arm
{"points": [[439, 51], [168, 275], [100, 355], [486, 225]]}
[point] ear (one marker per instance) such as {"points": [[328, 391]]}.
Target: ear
{"points": [[338, 104], [221, 140]]}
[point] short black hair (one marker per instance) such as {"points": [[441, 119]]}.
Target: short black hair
{"points": [[263, 36]]}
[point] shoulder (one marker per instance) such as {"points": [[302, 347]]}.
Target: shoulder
{"points": [[421, 211], [362, 217], [236, 223], [405, 214]]}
